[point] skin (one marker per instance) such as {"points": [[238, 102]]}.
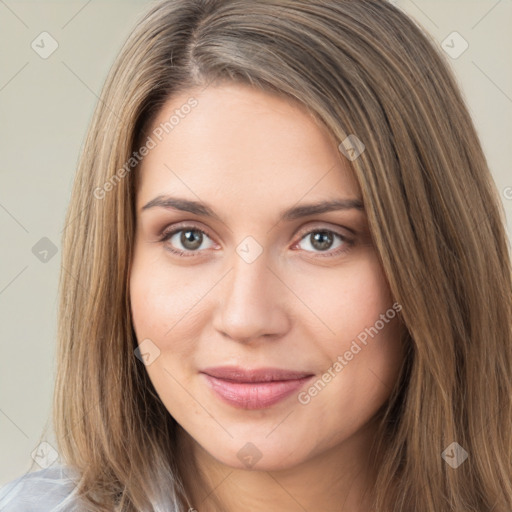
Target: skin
{"points": [[292, 307]]}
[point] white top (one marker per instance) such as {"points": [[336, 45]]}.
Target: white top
{"points": [[52, 490], [46, 490]]}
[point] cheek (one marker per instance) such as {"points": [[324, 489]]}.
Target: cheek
{"points": [[362, 355], [347, 300], [164, 303], [165, 311], [360, 331], [371, 323]]}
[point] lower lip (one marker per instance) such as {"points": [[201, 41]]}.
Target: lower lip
{"points": [[254, 395]]}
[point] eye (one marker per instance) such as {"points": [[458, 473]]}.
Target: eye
{"points": [[189, 237], [187, 241], [322, 240]]}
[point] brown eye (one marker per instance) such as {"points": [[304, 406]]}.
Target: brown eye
{"points": [[191, 239], [321, 240]]}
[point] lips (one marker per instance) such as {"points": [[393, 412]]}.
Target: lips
{"points": [[254, 388], [238, 374]]}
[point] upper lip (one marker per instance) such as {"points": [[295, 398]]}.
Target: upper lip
{"points": [[238, 374]]}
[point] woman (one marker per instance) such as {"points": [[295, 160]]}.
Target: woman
{"points": [[288, 279]]}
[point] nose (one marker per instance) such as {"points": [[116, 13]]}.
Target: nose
{"points": [[251, 302]]}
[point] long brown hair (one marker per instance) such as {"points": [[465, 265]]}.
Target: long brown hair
{"points": [[361, 67]]}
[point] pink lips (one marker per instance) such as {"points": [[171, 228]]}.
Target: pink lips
{"points": [[254, 389]]}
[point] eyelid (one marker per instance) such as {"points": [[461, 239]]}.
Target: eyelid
{"points": [[322, 226], [318, 225], [179, 226]]}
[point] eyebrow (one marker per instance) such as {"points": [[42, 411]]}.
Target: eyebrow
{"points": [[293, 213]]}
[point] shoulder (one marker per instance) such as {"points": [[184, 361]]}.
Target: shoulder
{"points": [[46, 490]]}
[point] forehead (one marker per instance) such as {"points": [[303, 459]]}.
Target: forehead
{"points": [[234, 141]]}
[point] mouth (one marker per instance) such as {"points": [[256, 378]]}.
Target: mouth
{"points": [[254, 388]]}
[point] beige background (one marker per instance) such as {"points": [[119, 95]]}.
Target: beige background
{"points": [[45, 107]]}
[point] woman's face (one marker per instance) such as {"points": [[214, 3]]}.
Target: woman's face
{"points": [[262, 293]]}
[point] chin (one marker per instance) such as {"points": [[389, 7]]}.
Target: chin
{"points": [[258, 453]]}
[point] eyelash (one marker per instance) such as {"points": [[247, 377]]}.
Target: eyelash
{"points": [[167, 235]]}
